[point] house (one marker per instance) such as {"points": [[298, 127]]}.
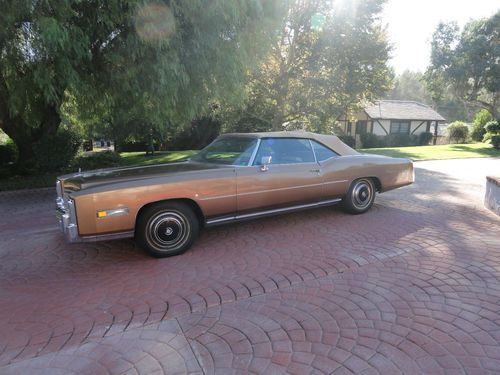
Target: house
{"points": [[386, 117]]}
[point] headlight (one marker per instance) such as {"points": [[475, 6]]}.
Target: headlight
{"points": [[59, 189]]}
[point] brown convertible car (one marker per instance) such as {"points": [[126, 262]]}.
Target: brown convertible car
{"points": [[236, 177]]}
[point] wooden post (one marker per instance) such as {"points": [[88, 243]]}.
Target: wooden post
{"points": [[435, 133], [357, 142]]}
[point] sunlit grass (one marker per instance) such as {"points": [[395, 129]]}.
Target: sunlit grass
{"points": [[439, 152]]}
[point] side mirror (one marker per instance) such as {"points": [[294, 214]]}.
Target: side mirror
{"points": [[264, 163]]}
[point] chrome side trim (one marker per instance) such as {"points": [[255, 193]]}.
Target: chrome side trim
{"points": [[106, 237], [218, 197], [278, 189], [335, 182], [271, 190], [220, 220], [270, 212]]}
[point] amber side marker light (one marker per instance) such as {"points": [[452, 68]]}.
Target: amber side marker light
{"points": [[116, 212]]}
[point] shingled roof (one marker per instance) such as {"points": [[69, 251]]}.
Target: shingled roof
{"points": [[402, 110]]}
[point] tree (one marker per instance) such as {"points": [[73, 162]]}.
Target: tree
{"points": [[480, 120], [413, 86], [458, 132], [327, 59], [467, 62], [122, 62], [410, 86]]}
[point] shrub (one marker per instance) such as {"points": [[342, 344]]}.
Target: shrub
{"points": [[401, 140], [55, 152], [492, 127], [105, 159], [369, 140], [348, 140], [495, 141], [132, 146], [8, 153], [5, 172], [477, 133], [201, 132], [492, 133], [457, 132], [425, 138], [480, 120]]}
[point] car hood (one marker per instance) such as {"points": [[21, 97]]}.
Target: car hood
{"points": [[83, 180]]}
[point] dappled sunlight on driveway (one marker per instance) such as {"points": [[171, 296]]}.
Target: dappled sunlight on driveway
{"points": [[411, 286]]}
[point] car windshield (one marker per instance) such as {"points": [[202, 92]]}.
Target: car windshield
{"points": [[228, 151]]}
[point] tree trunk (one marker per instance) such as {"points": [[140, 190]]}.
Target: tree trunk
{"points": [[24, 140], [278, 115], [494, 105], [282, 93], [26, 154], [25, 136]]}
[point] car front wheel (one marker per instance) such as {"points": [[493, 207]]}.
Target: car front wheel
{"points": [[360, 196], [167, 229]]}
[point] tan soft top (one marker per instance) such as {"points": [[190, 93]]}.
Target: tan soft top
{"points": [[331, 141]]}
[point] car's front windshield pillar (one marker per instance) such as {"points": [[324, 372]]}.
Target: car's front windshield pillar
{"points": [[254, 153]]}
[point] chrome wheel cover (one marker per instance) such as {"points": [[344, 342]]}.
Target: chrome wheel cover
{"points": [[167, 230], [362, 194]]}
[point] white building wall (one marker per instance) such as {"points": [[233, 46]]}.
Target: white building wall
{"points": [[415, 129], [377, 127]]}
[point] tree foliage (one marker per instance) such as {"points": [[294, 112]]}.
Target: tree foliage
{"points": [[457, 132], [122, 64], [481, 118], [412, 86], [493, 133], [467, 61], [327, 58]]}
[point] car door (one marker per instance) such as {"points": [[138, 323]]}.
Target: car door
{"points": [[333, 172], [291, 178]]}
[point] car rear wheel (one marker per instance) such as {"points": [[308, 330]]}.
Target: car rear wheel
{"points": [[167, 229], [360, 196]]}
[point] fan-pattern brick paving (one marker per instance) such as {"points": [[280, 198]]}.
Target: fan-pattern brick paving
{"points": [[411, 287]]}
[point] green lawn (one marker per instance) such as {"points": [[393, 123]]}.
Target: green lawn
{"points": [[474, 150], [140, 158], [28, 182]]}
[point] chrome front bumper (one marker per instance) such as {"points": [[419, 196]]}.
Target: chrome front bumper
{"points": [[66, 216]]}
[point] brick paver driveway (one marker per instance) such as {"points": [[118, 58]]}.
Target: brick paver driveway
{"points": [[411, 287]]}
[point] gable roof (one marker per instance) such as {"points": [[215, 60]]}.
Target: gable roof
{"points": [[402, 110]]}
